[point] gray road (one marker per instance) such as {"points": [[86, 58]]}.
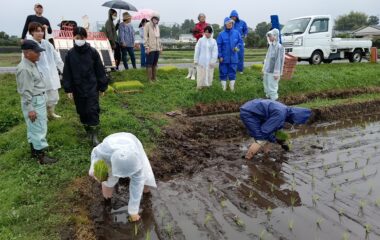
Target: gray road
{"points": [[178, 65]]}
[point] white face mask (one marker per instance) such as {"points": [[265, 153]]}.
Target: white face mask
{"points": [[114, 17], [79, 43]]}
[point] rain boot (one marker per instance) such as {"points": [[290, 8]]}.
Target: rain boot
{"points": [[149, 71], [232, 85], [154, 73], [43, 159], [51, 112], [94, 135], [190, 73], [224, 85], [88, 131], [194, 73], [32, 151]]}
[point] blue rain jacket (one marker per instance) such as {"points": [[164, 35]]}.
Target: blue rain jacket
{"points": [[264, 117], [240, 25], [227, 40]]}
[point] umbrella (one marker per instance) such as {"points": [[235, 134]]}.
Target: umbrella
{"points": [[143, 13], [118, 4]]}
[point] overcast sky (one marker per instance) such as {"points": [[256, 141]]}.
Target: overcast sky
{"points": [[14, 12]]}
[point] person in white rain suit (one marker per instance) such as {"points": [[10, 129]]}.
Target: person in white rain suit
{"points": [[205, 58], [49, 62], [273, 64], [125, 157]]}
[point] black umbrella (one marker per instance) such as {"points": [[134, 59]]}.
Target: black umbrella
{"points": [[118, 4]]}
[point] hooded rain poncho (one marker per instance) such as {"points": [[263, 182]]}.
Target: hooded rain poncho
{"points": [[125, 156], [206, 56]]}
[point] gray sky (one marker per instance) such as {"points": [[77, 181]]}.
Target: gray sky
{"points": [[14, 12]]}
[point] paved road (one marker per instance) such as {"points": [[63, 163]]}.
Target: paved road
{"points": [[178, 65]]}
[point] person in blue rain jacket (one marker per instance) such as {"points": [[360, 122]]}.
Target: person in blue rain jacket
{"points": [[242, 28], [229, 44], [263, 117]]}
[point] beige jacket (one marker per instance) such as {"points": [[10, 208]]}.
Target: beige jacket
{"points": [[151, 40]]}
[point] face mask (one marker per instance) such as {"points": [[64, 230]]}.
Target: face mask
{"points": [[80, 43], [114, 17]]}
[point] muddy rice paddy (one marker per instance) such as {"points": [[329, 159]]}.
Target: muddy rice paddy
{"points": [[327, 187]]}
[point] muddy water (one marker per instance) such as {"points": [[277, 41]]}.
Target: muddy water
{"points": [[327, 187]]}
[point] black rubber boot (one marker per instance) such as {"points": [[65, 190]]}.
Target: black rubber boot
{"points": [[94, 135], [43, 159], [32, 151], [88, 131]]}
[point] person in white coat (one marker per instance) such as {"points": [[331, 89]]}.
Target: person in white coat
{"points": [[125, 157], [206, 58], [48, 65], [273, 65]]}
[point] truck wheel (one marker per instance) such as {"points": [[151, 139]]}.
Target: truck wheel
{"points": [[316, 58], [327, 61], [356, 56]]}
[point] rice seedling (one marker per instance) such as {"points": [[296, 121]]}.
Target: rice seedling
{"points": [[319, 222], [274, 174], [370, 188], [293, 200], [364, 176], [237, 183], [345, 236], [101, 170], [272, 188], [211, 188], [367, 228], [169, 230], [367, 162], [315, 199], [341, 212], [250, 194], [255, 179], [148, 235], [362, 204], [239, 222], [262, 234], [326, 169], [136, 229], [291, 225], [269, 211], [356, 164], [336, 190], [208, 218], [342, 166], [377, 202], [223, 203]]}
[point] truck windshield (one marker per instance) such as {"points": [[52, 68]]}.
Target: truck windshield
{"points": [[296, 26]]}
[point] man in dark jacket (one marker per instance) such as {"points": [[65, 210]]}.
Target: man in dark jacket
{"points": [[83, 78], [263, 118], [38, 9]]}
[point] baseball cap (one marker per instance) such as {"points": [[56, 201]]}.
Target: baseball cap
{"points": [[38, 5], [31, 45]]}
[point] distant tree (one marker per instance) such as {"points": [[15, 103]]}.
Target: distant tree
{"points": [[262, 29], [6, 40], [187, 25], [165, 31], [217, 29], [373, 20], [351, 21]]}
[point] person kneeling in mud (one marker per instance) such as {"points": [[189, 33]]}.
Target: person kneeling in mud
{"points": [[122, 155], [263, 117]]}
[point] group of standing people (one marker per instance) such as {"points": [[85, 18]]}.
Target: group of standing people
{"points": [[228, 50], [122, 40], [85, 80]]}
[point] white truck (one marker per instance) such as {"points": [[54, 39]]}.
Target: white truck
{"points": [[311, 39]]}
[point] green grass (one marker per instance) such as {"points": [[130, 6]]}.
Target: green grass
{"points": [[9, 59], [328, 103], [30, 195]]}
